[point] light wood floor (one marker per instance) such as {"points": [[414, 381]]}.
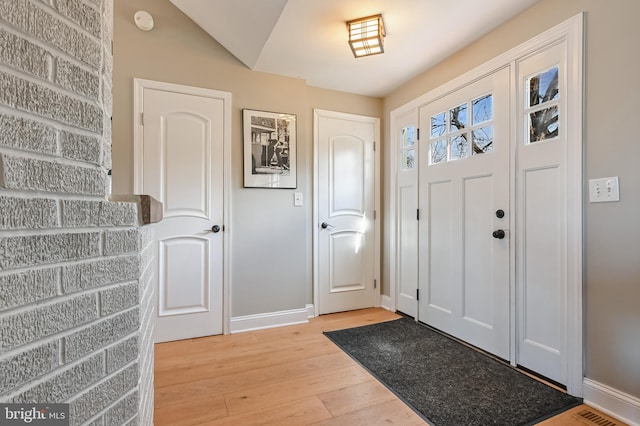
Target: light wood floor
{"points": [[282, 376]]}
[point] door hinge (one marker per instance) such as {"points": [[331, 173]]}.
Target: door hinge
{"points": [[142, 118], [375, 284], [374, 145], [417, 214], [375, 215], [418, 134], [417, 294]]}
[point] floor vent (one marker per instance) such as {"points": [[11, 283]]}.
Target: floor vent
{"points": [[594, 419]]}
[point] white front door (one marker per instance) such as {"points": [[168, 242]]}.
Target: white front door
{"points": [[346, 227], [406, 255], [183, 168], [464, 214]]}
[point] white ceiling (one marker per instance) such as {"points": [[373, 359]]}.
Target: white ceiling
{"points": [[307, 39]]}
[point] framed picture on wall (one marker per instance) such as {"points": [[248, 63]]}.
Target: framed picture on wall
{"points": [[269, 143]]}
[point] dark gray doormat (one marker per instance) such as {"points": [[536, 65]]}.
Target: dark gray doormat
{"points": [[445, 382]]}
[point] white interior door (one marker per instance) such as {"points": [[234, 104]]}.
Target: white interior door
{"points": [[407, 208], [464, 199], [542, 213], [183, 168], [345, 210]]}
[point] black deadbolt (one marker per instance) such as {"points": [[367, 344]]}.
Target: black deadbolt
{"points": [[500, 213]]}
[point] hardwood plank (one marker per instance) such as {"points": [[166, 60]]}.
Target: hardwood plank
{"points": [[190, 411], [238, 362], [253, 378], [294, 388], [282, 376], [297, 413], [384, 414], [353, 398]]}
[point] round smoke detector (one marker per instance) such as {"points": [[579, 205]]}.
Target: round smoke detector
{"points": [[144, 20]]}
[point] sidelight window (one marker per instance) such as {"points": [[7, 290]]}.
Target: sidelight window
{"points": [[541, 109], [407, 147]]}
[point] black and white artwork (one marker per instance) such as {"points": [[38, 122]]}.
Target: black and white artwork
{"points": [[269, 149]]}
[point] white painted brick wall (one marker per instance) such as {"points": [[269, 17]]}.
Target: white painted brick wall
{"points": [[146, 324], [76, 302]]}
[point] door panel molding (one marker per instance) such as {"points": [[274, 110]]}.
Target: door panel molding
{"points": [[139, 86]]}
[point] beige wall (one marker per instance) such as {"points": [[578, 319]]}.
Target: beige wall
{"points": [[611, 148], [271, 254], [177, 51]]}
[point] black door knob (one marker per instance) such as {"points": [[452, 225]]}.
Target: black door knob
{"points": [[499, 234], [215, 229], [500, 213], [325, 225]]}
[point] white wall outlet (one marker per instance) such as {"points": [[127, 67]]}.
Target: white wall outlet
{"points": [[297, 199], [604, 190]]}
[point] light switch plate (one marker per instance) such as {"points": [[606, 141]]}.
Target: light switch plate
{"points": [[297, 199], [604, 190]]}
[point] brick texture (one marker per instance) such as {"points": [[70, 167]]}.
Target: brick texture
{"points": [[98, 213], [23, 54], [118, 298], [118, 242], [80, 147], [66, 383], [35, 250], [102, 395], [27, 96], [121, 354], [27, 287], [44, 26], [100, 334], [28, 365], [38, 175], [28, 326], [75, 309], [27, 134], [28, 213], [99, 273]]}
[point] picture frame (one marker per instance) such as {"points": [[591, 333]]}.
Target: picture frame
{"points": [[269, 149]]}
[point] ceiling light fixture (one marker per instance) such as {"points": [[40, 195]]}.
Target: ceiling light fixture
{"points": [[366, 35]]}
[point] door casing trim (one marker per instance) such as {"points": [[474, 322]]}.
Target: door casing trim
{"points": [[138, 137], [570, 31], [317, 114]]}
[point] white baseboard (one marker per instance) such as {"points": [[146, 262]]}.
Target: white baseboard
{"points": [[311, 310], [269, 320], [620, 405], [385, 302]]}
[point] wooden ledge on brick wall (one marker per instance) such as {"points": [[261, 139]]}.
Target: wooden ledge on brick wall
{"points": [[149, 209]]}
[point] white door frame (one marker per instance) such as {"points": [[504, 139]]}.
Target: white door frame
{"points": [[317, 113], [138, 137], [571, 32]]}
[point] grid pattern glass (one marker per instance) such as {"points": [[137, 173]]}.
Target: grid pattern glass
{"points": [[462, 131]]}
